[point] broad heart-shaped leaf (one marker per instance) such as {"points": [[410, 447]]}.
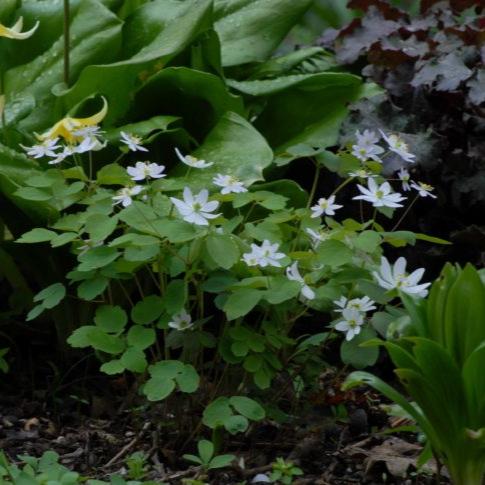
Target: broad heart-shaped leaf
{"points": [[223, 250], [351, 352], [147, 310], [95, 38], [247, 407], [118, 80], [241, 302], [111, 319], [165, 375], [316, 104], [216, 413], [199, 98], [235, 148], [251, 30]]}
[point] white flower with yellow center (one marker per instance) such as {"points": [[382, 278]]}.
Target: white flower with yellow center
{"points": [[145, 170], [397, 145], [126, 194], [192, 161], [351, 324], [265, 255], [196, 209], [44, 149], [133, 142], [395, 277], [424, 190], [366, 147], [325, 207], [229, 184], [181, 321], [379, 195], [363, 305]]}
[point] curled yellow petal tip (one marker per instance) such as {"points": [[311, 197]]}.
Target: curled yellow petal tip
{"points": [[66, 127], [14, 32]]}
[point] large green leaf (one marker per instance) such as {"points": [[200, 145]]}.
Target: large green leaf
{"points": [[200, 98], [118, 80], [235, 148], [303, 112], [251, 30], [15, 168], [95, 38]]}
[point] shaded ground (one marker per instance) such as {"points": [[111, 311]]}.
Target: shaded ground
{"points": [[95, 438]]}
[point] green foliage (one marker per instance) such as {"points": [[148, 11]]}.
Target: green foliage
{"points": [[284, 472], [47, 470], [440, 369], [206, 458]]}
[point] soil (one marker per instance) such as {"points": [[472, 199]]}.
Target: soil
{"points": [[95, 436]]}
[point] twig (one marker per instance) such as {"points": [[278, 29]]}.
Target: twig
{"points": [[127, 447]]}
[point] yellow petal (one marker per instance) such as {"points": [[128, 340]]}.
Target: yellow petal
{"points": [[65, 127], [14, 31], [94, 119]]}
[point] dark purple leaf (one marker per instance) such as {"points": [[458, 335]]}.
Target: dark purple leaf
{"points": [[373, 28], [477, 88]]}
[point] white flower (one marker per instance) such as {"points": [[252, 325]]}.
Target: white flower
{"points": [[390, 277], [398, 145], [182, 321], [229, 184], [424, 190], [265, 255], [317, 237], [88, 131], [379, 196], [192, 161], [325, 206], [196, 209], [363, 305], [405, 178], [67, 151], [351, 323], [366, 148], [362, 174], [89, 143], [125, 195], [293, 274], [143, 170], [44, 149], [133, 142]]}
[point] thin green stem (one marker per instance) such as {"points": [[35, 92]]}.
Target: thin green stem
{"points": [[406, 212], [67, 20], [313, 190]]}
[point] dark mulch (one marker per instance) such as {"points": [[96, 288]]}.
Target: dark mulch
{"points": [[94, 437]]}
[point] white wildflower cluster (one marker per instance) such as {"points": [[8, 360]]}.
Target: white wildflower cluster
{"points": [[382, 195], [74, 138], [264, 255], [354, 312]]}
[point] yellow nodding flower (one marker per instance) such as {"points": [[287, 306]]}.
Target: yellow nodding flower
{"points": [[67, 126], [14, 31]]}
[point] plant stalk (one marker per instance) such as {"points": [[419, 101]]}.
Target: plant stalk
{"points": [[67, 19]]}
